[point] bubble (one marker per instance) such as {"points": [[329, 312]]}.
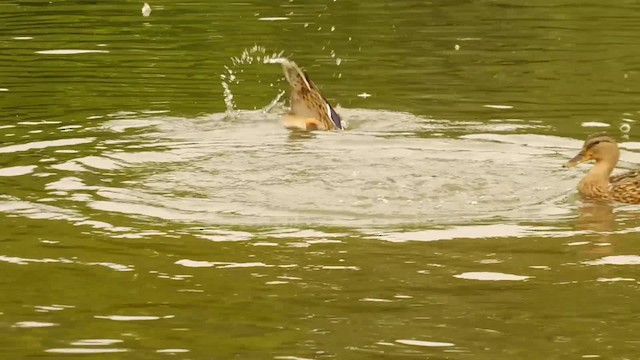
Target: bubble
{"points": [[625, 128]]}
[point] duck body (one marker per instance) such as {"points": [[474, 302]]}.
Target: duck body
{"points": [[309, 109], [626, 187], [598, 184]]}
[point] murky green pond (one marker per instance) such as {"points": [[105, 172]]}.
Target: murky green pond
{"points": [[153, 206]]}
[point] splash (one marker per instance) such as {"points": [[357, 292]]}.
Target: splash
{"points": [[256, 54]]}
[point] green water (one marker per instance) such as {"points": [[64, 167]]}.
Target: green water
{"points": [[141, 219]]}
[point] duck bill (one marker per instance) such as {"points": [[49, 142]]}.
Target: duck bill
{"points": [[580, 158]]}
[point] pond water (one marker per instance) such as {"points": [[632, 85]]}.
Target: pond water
{"points": [[154, 206]]}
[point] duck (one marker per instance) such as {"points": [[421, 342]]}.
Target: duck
{"points": [[598, 184], [309, 110]]}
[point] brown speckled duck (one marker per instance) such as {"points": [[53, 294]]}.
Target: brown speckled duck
{"points": [[598, 184], [309, 109]]}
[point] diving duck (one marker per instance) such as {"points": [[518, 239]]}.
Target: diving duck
{"points": [[309, 109], [598, 184]]}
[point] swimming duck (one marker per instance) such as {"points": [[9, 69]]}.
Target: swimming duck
{"points": [[598, 184], [309, 109]]}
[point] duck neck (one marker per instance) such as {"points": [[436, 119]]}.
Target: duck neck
{"points": [[599, 175]]}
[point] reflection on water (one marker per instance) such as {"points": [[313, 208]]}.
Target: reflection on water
{"points": [[147, 211], [596, 216]]}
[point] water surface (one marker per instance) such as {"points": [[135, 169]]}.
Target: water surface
{"points": [[153, 205]]}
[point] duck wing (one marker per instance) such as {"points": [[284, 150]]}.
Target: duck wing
{"points": [[626, 187]]}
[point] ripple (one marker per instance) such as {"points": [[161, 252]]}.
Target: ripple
{"points": [[375, 300], [616, 260], [540, 267], [41, 122], [226, 235], [99, 162], [275, 18], [69, 51], [33, 324], [47, 308], [469, 232], [491, 276], [129, 317], [45, 144], [86, 350], [116, 267], [502, 107], [49, 212], [338, 267], [26, 261], [276, 282], [268, 175], [594, 124], [219, 265], [614, 279], [578, 243], [96, 342], [424, 343], [212, 173], [172, 351], [302, 234], [17, 170]]}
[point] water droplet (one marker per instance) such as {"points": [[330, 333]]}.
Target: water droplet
{"points": [[146, 10]]}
